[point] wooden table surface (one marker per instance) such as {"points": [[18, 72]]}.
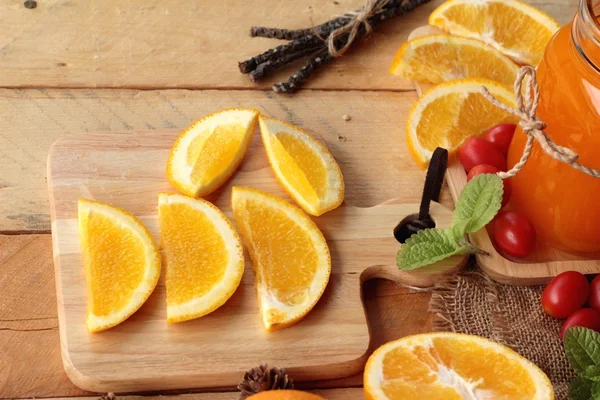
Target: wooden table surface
{"points": [[107, 65]]}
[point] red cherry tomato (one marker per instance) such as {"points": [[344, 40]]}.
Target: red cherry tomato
{"points": [[501, 136], [514, 234], [594, 300], [476, 151], [565, 294], [490, 169], [586, 317]]}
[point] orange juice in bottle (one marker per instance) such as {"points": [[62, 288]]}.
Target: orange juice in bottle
{"points": [[562, 202]]}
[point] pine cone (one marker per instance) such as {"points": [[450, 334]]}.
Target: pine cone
{"points": [[263, 378]]}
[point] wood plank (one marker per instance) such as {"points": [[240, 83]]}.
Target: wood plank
{"points": [[26, 262], [127, 170], [371, 145], [186, 43], [29, 346], [328, 394]]}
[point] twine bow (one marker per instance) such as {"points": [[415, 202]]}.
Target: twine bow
{"points": [[533, 127], [360, 17]]}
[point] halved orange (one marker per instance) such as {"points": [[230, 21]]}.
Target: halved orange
{"points": [[452, 366], [208, 152], [121, 263], [203, 255], [441, 58], [289, 254], [452, 112], [517, 29]]}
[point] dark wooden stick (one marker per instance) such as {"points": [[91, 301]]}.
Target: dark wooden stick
{"points": [[295, 81], [270, 66], [322, 30], [296, 45]]}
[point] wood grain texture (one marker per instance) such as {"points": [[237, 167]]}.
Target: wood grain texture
{"points": [[371, 145], [187, 43], [127, 170], [329, 394], [29, 322], [29, 344], [544, 263], [179, 44]]}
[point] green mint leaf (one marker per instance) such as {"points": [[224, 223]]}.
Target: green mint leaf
{"points": [[582, 346], [592, 373], [595, 391], [580, 389], [427, 247], [478, 204]]}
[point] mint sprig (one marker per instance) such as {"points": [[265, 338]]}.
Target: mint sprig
{"points": [[582, 346], [426, 247], [478, 204], [580, 389]]}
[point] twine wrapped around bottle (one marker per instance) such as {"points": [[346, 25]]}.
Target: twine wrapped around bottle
{"points": [[533, 127], [360, 17]]}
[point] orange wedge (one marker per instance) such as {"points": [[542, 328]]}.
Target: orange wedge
{"points": [[203, 255], [452, 112], [452, 366], [441, 58], [210, 150], [305, 168], [121, 263], [289, 254], [515, 28]]}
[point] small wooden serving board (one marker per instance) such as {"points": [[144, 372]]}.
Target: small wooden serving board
{"points": [[544, 263], [146, 353]]}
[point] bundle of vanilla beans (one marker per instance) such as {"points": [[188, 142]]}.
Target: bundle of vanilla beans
{"points": [[320, 43]]}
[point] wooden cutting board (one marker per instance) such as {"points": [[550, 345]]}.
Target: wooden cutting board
{"points": [[144, 352]]}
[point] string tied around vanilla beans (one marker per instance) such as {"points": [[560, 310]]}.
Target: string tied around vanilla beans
{"points": [[360, 17], [533, 127]]}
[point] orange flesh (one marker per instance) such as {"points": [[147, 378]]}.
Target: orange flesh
{"points": [[211, 154], [301, 166], [282, 253], [496, 17], [188, 236], [420, 372], [114, 255], [454, 123], [560, 201], [440, 62]]}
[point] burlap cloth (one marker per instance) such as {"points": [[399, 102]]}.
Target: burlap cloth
{"points": [[472, 303]]}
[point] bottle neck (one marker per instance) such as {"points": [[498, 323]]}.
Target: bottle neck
{"points": [[585, 32]]}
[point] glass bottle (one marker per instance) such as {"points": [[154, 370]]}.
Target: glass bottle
{"points": [[563, 203]]}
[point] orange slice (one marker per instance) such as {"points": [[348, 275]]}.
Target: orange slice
{"points": [[289, 254], [452, 366], [203, 255], [121, 263], [515, 28], [305, 168], [441, 58], [452, 112], [210, 150]]}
